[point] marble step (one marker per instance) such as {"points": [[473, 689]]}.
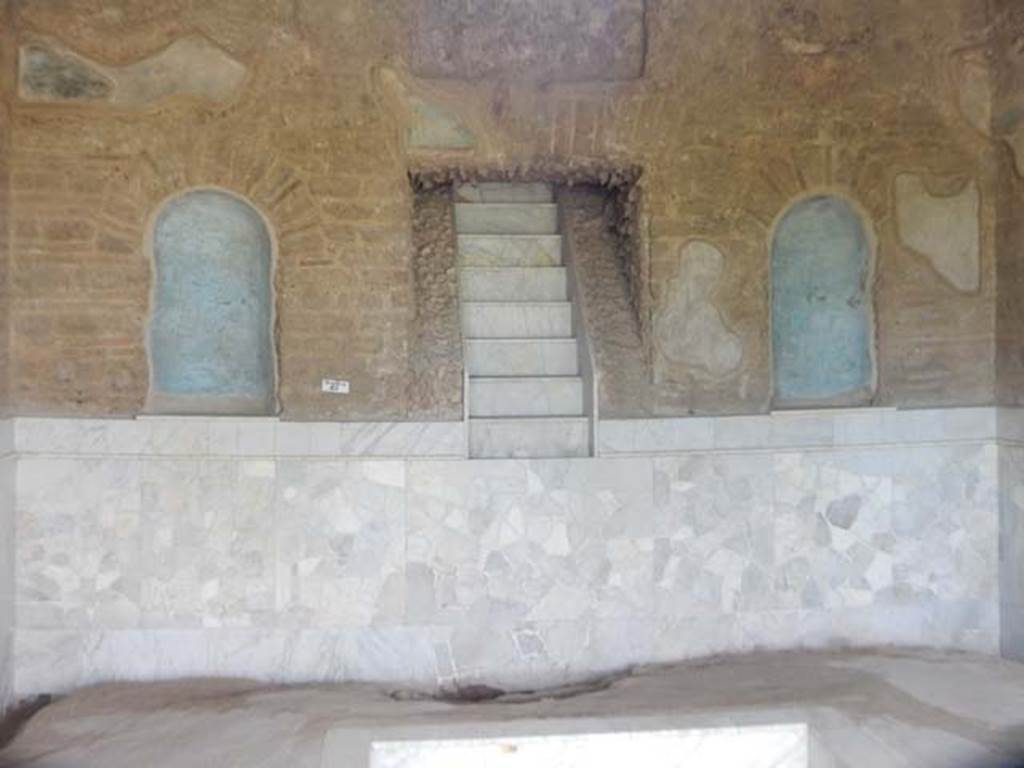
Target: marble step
{"points": [[521, 357], [513, 284], [527, 396], [510, 250], [529, 438], [506, 218], [500, 192], [516, 319]]}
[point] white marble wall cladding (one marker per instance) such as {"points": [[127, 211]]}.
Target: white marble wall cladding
{"points": [[516, 572], [7, 468], [1011, 549], [234, 437], [804, 429]]}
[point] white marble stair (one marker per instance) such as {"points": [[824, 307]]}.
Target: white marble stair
{"points": [[513, 284], [529, 438], [506, 218], [510, 250], [521, 357], [516, 319], [526, 395], [502, 192]]}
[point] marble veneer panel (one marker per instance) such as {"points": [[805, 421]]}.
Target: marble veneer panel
{"points": [[1011, 534], [144, 564], [7, 464]]}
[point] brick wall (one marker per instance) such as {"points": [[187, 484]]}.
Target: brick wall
{"points": [[7, 65], [737, 114]]}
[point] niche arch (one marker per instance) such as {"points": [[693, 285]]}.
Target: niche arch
{"points": [[210, 337], [822, 260]]}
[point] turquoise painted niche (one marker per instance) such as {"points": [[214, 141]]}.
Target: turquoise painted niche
{"points": [[210, 339], [821, 311]]}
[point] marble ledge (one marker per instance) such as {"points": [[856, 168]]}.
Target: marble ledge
{"points": [[6, 438], [1010, 424], [798, 429], [245, 437], [239, 437]]}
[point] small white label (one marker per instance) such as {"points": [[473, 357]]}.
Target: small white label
{"points": [[334, 386]]}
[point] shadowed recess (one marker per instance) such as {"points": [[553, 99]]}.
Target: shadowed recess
{"points": [[821, 326], [210, 338]]}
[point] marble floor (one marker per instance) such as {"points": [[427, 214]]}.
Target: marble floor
{"points": [[875, 709]]}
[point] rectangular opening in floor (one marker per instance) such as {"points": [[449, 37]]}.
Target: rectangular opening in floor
{"points": [[769, 746]]}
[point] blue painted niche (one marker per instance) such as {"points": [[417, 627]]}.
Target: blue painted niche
{"points": [[211, 338], [821, 319]]}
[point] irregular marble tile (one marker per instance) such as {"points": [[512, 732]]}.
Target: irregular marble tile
{"points": [[715, 546], [340, 543], [79, 525], [209, 541], [520, 541], [524, 572]]}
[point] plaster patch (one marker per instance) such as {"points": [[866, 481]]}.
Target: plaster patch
{"points": [[50, 74], [192, 66], [689, 329], [1016, 142], [944, 229], [434, 127], [974, 93]]}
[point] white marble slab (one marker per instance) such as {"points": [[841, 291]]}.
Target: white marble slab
{"points": [[510, 250], [1011, 549], [7, 560], [521, 357], [513, 284], [529, 437], [800, 429], [506, 218], [237, 437], [137, 558], [6, 437], [516, 320], [502, 192], [773, 746], [537, 396], [1010, 424]]}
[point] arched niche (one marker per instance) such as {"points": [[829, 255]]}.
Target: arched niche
{"points": [[210, 339], [822, 320]]}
